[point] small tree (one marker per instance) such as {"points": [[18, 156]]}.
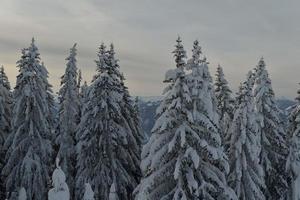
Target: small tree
{"points": [[61, 189], [22, 194], [88, 193]]}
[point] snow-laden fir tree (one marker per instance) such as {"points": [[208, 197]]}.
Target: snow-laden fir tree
{"points": [[225, 103], [246, 174], [206, 118], [69, 104], [60, 190], [79, 80], [51, 104], [22, 194], [29, 145], [88, 192], [181, 160], [83, 98], [273, 137], [5, 121], [109, 149], [293, 161]]}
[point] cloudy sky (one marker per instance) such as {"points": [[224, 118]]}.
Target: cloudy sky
{"points": [[232, 33]]}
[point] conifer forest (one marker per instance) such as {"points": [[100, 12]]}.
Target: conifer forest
{"points": [[87, 141]]}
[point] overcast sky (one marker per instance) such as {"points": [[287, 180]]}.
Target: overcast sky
{"points": [[233, 33]]}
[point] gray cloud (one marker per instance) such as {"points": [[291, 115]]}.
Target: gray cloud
{"points": [[233, 33]]}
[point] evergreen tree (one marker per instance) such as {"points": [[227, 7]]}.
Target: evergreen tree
{"points": [[79, 80], [225, 103], [88, 192], [246, 174], [60, 190], [22, 194], [273, 137], [5, 121], [109, 149], [293, 161], [51, 105], [69, 104], [29, 146], [181, 160]]}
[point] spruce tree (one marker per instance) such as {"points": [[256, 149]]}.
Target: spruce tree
{"points": [[60, 190], [88, 192], [273, 137], [183, 158], [109, 149], [246, 174], [225, 103], [293, 161], [51, 104], [205, 116], [5, 121], [29, 146], [69, 104]]}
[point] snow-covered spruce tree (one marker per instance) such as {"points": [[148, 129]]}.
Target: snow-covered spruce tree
{"points": [[88, 192], [129, 112], [60, 190], [79, 80], [246, 174], [29, 145], [108, 147], [51, 104], [181, 160], [206, 118], [69, 104], [5, 121], [22, 194], [273, 137], [293, 161], [225, 103]]}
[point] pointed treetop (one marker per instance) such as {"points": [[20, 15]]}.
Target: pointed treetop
{"points": [[197, 51], [179, 54], [3, 79], [261, 62], [22, 194], [102, 48], [88, 194]]}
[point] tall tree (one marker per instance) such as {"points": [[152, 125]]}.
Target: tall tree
{"points": [[51, 104], [5, 121], [69, 104], [29, 146], [109, 150], [181, 160], [273, 137], [293, 161], [206, 118], [246, 174], [225, 103]]}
